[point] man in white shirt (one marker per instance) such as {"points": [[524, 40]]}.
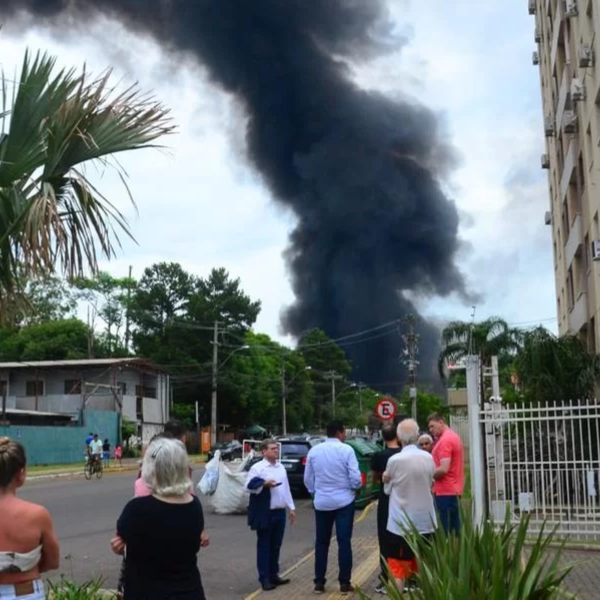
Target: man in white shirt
{"points": [[96, 449], [408, 479], [332, 476], [268, 480]]}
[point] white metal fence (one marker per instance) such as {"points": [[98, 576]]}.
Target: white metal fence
{"points": [[544, 460]]}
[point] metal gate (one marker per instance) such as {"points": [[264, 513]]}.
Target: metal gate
{"points": [[537, 459]]}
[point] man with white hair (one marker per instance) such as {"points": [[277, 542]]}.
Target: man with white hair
{"points": [[408, 479]]}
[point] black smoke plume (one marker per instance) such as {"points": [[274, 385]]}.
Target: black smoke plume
{"points": [[360, 170]]}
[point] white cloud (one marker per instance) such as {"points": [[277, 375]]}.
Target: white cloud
{"points": [[201, 205]]}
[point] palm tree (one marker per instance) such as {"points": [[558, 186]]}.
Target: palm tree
{"points": [[492, 337], [53, 125]]}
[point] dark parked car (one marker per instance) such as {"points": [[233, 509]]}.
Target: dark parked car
{"points": [[229, 450], [293, 457]]}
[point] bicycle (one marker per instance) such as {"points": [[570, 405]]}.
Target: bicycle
{"points": [[93, 466]]}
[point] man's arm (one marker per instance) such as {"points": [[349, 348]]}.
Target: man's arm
{"points": [[444, 452], [50, 549], [354, 472], [388, 477], [252, 474], [309, 475]]}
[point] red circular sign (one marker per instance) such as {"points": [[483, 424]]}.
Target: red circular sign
{"points": [[385, 409]]}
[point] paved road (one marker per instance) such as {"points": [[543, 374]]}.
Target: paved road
{"points": [[85, 513]]}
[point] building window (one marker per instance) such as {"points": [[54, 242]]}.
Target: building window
{"points": [[72, 386], [139, 405], [122, 387], [3, 387], [34, 388], [145, 392]]}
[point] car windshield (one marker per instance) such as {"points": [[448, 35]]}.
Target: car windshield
{"points": [[293, 450]]}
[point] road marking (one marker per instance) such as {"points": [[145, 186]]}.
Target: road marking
{"points": [[365, 513], [361, 574], [285, 573]]}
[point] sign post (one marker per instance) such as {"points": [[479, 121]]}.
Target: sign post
{"points": [[386, 409]]}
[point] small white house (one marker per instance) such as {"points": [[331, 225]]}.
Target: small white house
{"points": [[134, 387]]}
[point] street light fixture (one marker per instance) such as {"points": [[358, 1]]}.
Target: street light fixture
{"points": [[284, 387], [215, 375], [335, 396]]}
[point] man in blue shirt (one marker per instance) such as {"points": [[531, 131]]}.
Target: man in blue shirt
{"points": [[332, 477]]}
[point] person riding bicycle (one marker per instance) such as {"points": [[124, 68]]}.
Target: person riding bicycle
{"points": [[96, 450]]}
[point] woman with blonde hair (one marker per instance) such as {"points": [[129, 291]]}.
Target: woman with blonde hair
{"points": [[162, 532], [28, 546]]}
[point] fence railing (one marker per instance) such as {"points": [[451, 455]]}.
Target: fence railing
{"points": [[544, 460]]}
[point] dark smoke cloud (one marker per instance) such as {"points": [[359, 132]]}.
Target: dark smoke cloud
{"points": [[358, 169]]}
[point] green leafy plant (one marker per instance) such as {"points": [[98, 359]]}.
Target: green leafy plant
{"points": [[490, 562], [70, 590]]}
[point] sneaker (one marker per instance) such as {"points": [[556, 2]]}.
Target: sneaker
{"points": [[319, 588], [380, 589], [346, 588]]}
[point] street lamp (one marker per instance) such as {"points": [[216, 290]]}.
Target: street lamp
{"points": [[284, 387], [335, 396], [215, 375]]}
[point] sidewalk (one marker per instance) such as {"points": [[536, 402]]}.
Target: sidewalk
{"points": [[76, 469]]}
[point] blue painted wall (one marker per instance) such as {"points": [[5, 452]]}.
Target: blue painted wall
{"points": [[63, 445]]}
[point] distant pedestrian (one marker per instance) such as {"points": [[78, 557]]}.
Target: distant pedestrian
{"points": [[118, 455], [162, 532], [333, 478], [449, 477], [28, 545], [270, 496], [106, 452], [408, 479], [378, 465]]}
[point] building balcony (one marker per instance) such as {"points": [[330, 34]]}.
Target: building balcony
{"points": [[563, 92], [556, 27], [574, 241], [578, 314], [568, 169]]}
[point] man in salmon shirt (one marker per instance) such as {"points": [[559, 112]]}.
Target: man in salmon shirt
{"points": [[449, 476]]}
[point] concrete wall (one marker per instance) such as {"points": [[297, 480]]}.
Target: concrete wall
{"points": [[63, 445]]}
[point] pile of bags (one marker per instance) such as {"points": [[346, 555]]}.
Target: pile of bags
{"points": [[224, 485]]}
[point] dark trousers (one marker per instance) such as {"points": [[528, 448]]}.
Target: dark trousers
{"points": [[268, 546], [344, 522], [383, 508], [447, 507]]}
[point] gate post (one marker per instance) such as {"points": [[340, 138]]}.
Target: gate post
{"points": [[475, 440]]}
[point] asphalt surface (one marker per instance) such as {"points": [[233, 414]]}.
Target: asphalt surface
{"points": [[85, 513]]}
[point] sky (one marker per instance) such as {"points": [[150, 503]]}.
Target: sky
{"points": [[200, 204]]}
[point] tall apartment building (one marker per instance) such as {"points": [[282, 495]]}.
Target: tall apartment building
{"points": [[567, 56]]}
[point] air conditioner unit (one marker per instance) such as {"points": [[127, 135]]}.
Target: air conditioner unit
{"points": [[570, 122], [545, 161], [571, 8], [535, 58], [532, 7], [586, 56], [577, 90], [537, 36], [547, 218], [549, 128], [596, 250]]}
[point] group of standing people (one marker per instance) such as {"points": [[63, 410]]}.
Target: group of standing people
{"points": [[96, 449], [423, 479]]}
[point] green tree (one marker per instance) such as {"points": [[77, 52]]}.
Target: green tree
{"points": [[54, 340], [427, 403], [551, 368], [491, 337], [55, 124]]}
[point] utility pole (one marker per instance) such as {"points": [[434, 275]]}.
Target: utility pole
{"points": [[361, 386], [283, 399], [333, 376], [411, 341], [215, 375], [4, 386], [127, 309]]}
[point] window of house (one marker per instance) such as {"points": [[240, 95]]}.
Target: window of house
{"points": [[72, 386], [34, 388], [139, 404], [145, 392], [3, 387], [122, 387]]}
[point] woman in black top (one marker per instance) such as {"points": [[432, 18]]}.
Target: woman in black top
{"points": [[162, 531]]}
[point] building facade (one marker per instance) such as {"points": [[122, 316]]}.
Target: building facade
{"points": [[567, 57], [132, 387]]}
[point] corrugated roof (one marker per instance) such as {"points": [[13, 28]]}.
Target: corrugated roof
{"points": [[84, 362], [37, 413]]}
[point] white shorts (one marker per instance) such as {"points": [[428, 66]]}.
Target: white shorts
{"points": [[32, 590]]}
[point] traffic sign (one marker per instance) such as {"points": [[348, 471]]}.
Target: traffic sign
{"points": [[385, 409]]}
